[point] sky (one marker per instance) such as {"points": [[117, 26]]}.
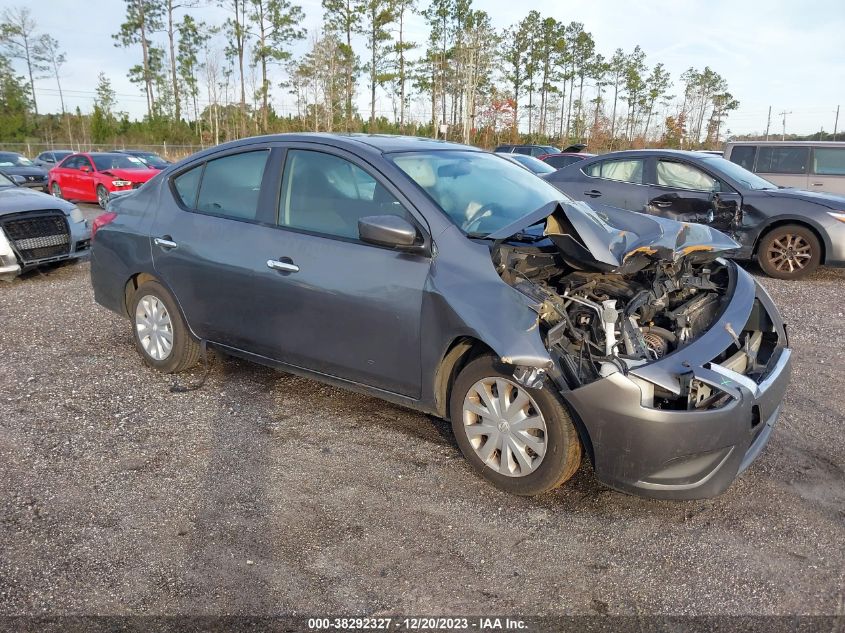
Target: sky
{"points": [[788, 55]]}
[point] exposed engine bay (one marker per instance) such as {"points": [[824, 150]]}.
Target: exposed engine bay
{"points": [[599, 323]]}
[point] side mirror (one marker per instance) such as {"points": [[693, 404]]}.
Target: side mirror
{"points": [[85, 168], [19, 180], [388, 230]]}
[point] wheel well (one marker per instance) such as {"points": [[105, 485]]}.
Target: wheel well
{"points": [[461, 351], [132, 285], [780, 223]]}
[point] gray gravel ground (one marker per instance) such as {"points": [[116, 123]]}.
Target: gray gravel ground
{"points": [[263, 493]]}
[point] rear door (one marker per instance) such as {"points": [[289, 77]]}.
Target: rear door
{"points": [[827, 171], [618, 182], [210, 242], [65, 175]]}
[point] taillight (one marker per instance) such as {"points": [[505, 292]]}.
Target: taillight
{"points": [[101, 220]]}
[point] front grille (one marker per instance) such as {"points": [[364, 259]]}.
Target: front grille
{"points": [[38, 235]]}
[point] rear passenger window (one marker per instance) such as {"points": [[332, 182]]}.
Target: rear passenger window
{"points": [[782, 160], [231, 185], [187, 185], [743, 155], [621, 170], [829, 161]]}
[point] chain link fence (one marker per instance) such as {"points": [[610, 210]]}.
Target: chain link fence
{"points": [[167, 150]]}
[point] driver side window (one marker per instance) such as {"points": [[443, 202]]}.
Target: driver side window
{"points": [[327, 194], [683, 176]]}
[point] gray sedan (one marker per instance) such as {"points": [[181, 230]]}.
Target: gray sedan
{"points": [[446, 279]]}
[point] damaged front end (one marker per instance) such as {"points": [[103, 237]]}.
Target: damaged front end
{"points": [[665, 350]]}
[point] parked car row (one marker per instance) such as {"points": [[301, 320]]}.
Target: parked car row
{"points": [[37, 229], [35, 174]]}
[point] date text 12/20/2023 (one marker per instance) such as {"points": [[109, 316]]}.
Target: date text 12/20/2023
{"points": [[417, 624]]}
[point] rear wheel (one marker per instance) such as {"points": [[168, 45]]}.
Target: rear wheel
{"points": [[521, 440], [789, 252], [102, 196], [57, 190], [160, 333]]}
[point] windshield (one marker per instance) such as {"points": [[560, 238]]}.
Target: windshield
{"points": [[5, 181], [153, 159], [14, 160], [480, 192], [117, 161], [534, 164], [734, 171], [550, 149]]}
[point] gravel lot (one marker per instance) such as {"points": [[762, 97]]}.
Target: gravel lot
{"points": [[263, 493]]}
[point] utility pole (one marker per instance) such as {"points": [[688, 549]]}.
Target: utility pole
{"points": [[783, 114], [769, 123], [836, 123]]}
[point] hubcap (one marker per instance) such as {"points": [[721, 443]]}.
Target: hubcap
{"points": [[789, 253], [153, 326], [56, 191], [102, 197], [504, 427]]}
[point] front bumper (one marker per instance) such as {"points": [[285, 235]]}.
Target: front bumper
{"points": [[687, 454]]}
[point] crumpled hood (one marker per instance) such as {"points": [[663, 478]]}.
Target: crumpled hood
{"points": [[135, 175], [610, 239], [829, 200]]}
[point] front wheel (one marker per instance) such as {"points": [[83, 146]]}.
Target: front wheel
{"points": [[521, 440], [789, 252], [161, 335], [102, 196], [57, 190]]}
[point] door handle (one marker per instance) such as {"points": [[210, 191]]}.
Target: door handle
{"points": [[165, 242], [285, 267], [592, 193], [661, 203]]}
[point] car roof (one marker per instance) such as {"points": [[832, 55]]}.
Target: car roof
{"points": [[680, 153], [824, 143], [384, 143]]}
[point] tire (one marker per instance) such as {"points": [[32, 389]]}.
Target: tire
{"points": [[102, 196], [56, 190], [791, 251], [558, 441], [183, 352]]}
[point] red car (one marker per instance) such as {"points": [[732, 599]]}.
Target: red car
{"points": [[93, 176]]}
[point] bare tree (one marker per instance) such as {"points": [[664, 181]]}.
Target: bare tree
{"points": [[19, 41]]}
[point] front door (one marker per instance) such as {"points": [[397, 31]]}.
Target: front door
{"points": [[616, 183], [683, 192], [343, 307]]}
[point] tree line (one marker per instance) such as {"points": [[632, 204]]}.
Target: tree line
{"points": [[539, 80]]}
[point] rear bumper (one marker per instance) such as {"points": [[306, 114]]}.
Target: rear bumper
{"points": [[687, 454]]}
